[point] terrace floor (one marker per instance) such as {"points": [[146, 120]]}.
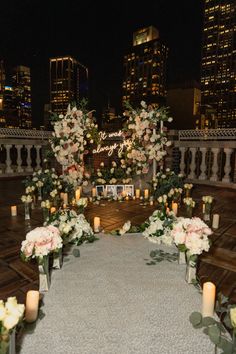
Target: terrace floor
{"points": [[17, 277]]}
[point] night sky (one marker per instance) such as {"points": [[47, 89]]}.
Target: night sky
{"points": [[97, 34]]}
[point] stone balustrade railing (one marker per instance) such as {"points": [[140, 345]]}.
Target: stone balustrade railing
{"points": [[21, 151], [206, 157]]}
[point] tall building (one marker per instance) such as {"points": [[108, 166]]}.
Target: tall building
{"points": [[184, 102], [218, 69], [68, 83], [145, 68], [21, 85]]}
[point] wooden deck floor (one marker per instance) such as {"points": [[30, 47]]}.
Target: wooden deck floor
{"points": [[17, 277]]}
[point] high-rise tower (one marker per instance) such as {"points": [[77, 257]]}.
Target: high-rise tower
{"points": [[145, 68], [218, 69], [68, 83]]}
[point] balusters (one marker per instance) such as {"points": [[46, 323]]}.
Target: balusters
{"points": [[182, 160], [38, 159], [19, 160], [214, 176], [227, 168], [203, 166], [8, 159], [28, 160], [192, 166]]}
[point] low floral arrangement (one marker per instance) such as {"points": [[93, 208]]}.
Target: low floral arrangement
{"points": [[82, 204], [74, 228], [158, 227], [112, 175], [147, 143], [40, 242], [189, 202], [191, 235], [167, 183], [11, 314]]}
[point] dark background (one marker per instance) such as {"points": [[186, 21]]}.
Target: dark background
{"points": [[97, 34]]}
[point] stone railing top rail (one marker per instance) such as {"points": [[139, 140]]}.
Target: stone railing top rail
{"points": [[6, 133], [210, 134]]}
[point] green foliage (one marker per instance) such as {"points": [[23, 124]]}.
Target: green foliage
{"points": [[159, 256], [164, 182]]}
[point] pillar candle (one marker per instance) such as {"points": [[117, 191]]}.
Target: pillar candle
{"points": [[203, 208], [137, 193], [13, 210], [134, 197], [96, 224], [105, 193], [52, 210], [65, 198], [94, 192], [146, 193], [151, 202], [175, 208], [215, 221], [77, 194], [208, 299], [31, 306], [62, 196], [127, 197]]}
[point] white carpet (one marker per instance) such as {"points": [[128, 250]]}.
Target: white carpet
{"points": [[109, 301]]}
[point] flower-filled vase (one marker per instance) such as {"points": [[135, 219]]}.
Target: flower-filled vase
{"points": [[12, 342], [191, 268], [44, 276], [57, 259], [27, 210]]}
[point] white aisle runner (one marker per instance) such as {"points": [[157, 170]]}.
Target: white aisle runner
{"points": [[109, 301]]}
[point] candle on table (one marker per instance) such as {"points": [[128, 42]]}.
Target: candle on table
{"points": [[77, 194], [31, 306], [137, 193], [146, 193], [93, 192], [65, 198], [13, 210], [215, 221], [96, 224], [208, 299], [175, 208]]}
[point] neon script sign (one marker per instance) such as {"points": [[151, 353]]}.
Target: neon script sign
{"points": [[116, 146]]}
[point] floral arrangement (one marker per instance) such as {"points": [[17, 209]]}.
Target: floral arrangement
{"points": [[188, 186], [125, 228], [147, 143], [167, 182], [82, 204], [74, 228], [73, 132], [191, 235], [207, 199], [189, 202], [11, 313], [112, 175], [158, 227], [40, 242], [26, 199]]}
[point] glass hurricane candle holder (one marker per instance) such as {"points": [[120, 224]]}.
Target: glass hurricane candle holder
{"points": [[27, 210], [207, 212]]}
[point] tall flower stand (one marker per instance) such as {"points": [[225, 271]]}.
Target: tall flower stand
{"points": [[27, 211], [44, 276], [12, 342], [191, 268], [57, 259]]}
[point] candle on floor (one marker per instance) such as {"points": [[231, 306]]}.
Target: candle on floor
{"points": [[215, 221], [31, 306], [62, 196], [127, 197], [65, 198], [208, 299], [137, 193], [203, 208], [134, 197], [175, 208], [93, 192], [105, 193], [151, 202], [77, 194], [146, 193], [96, 224], [13, 210], [52, 210]]}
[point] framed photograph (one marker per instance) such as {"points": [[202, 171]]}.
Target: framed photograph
{"points": [[100, 190], [111, 190], [119, 189], [129, 190]]}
